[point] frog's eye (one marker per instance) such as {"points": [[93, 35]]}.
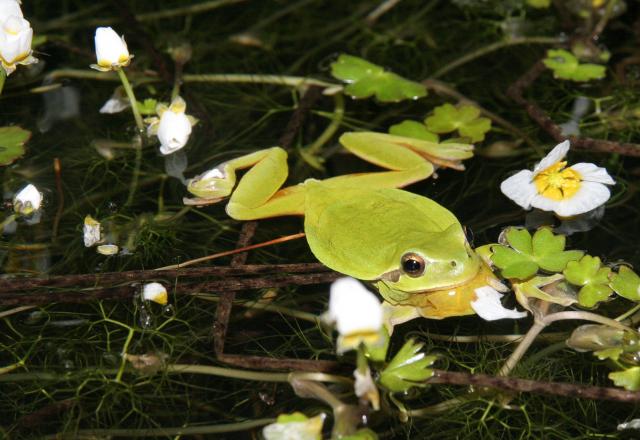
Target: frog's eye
{"points": [[412, 264]]}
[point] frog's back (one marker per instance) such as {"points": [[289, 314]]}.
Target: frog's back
{"points": [[363, 232]]}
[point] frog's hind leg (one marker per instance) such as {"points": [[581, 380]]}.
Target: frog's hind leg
{"points": [[258, 193], [410, 160]]}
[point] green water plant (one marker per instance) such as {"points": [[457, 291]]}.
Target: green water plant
{"points": [[465, 119], [365, 79], [566, 65]]}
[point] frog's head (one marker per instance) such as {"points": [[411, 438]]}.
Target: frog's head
{"points": [[434, 261]]}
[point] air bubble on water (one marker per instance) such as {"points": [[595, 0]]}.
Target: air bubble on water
{"points": [[169, 310], [364, 420], [68, 364]]}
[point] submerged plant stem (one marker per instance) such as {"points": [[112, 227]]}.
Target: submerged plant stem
{"points": [[3, 76], [165, 432], [492, 48]]}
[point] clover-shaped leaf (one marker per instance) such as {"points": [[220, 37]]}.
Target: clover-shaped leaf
{"points": [[612, 353], [594, 279], [626, 283], [466, 119], [539, 4], [628, 379], [367, 79], [12, 140], [408, 368], [565, 65], [527, 254], [413, 129]]}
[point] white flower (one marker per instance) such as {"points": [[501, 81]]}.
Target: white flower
{"points": [[173, 127], [488, 305], [15, 38], [294, 426], [357, 314], [155, 292], [117, 103], [111, 50], [27, 200], [552, 187], [91, 231], [9, 8]]}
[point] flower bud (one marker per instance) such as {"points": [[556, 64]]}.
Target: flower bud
{"points": [[15, 41], [27, 200], [111, 50]]}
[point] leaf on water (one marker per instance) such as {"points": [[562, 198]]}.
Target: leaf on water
{"points": [[367, 79], [466, 119], [525, 254], [565, 65], [594, 279], [626, 283], [12, 140]]}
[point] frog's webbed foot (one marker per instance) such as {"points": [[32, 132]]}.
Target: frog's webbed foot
{"points": [[211, 186], [199, 201]]}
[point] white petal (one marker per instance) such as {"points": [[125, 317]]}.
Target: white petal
{"points": [[115, 104], [154, 292], [91, 231], [310, 429], [9, 8], [27, 200], [520, 188], [111, 49], [593, 173], [353, 308], [173, 131], [213, 173], [15, 44], [556, 155], [588, 197], [488, 305]]}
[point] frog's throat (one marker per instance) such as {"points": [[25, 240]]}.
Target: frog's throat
{"points": [[482, 277]]}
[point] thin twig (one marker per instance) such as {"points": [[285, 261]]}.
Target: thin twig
{"points": [[532, 386], [516, 91], [57, 169]]}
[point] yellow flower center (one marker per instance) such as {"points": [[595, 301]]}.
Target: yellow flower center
{"points": [[558, 183]]}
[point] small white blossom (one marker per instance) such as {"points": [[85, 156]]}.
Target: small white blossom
{"points": [[488, 305], [111, 50], [117, 103], [295, 426], [27, 200], [173, 127], [155, 292], [357, 314], [91, 231], [552, 187], [15, 37]]}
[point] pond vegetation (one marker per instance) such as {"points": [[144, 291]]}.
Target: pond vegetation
{"points": [[134, 306]]}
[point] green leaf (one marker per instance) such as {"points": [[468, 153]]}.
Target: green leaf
{"points": [[12, 140], [526, 254], [626, 283], [147, 107], [408, 368], [629, 379], [612, 353], [466, 119], [594, 279], [367, 79], [565, 65], [413, 129]]}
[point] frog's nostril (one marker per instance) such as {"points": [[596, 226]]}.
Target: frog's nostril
{"points": [[454, 263]]}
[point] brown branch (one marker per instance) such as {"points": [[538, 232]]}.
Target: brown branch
{"points": [[516, 92], [312, 94], [101, 279], [124, 292], [531, 386]]}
